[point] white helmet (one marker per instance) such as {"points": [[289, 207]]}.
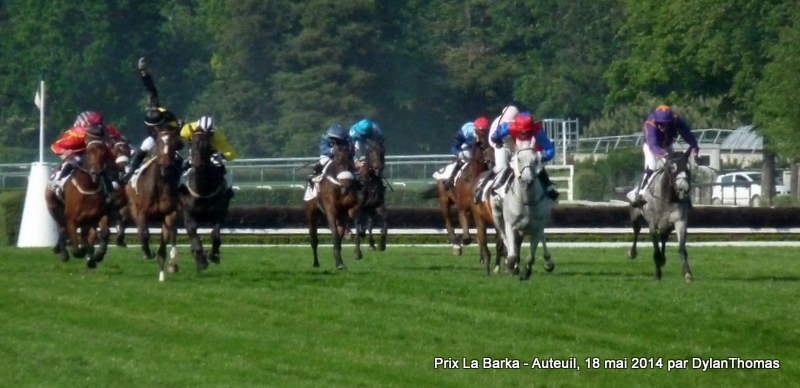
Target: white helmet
{"points": [[206, 123]]}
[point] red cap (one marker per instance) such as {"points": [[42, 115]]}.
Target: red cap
{"points": [[481, 122]]}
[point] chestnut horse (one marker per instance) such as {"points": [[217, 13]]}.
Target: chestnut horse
{"points": [[481, 163], [204, 198], [83, 207], [337, 198], [372, 194], [153, 196]]}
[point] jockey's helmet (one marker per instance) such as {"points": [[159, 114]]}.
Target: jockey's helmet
{"points": [[88, 118], [481, 123], [337, 131], [206, 123], [362, 127], [523, 122], [154, 117], [663, 114]]}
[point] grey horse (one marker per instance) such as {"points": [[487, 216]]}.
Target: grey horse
{"points": [[525, 210], [667, 209]]}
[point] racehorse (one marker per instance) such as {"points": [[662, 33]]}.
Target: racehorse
{"points": [[667, 209], [478, 168], [204, 198], [525, 210], [121, 150], [153, 196], [458, 196], [337, 198], [372, 194], [83, 207]]}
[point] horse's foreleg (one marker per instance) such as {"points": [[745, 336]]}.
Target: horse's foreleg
{"points": [[448, 223], [483, 247], [499, 247], [194, 239], [657, 254], [637, 228], [75, 240], [122, 220], [680, 230], [144, 235], [337, 239], [383, 214], [513, 241], [369, 218], [536, 237], [311, 220], [342, 222], [549, 265], [216, 242], [466, 239], [88, 238], [103, 237]]}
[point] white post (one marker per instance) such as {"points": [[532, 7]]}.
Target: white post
{"points": [[564, 142], [41, 123]]}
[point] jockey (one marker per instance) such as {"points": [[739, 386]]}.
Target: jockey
{"points": [[83, 120], [222, 150], [462, 149], [524, 130], [660, 131], [500, 153], [334, 135], [156, 118], [71, 146], [360, 133]]}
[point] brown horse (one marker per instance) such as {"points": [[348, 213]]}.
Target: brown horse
{"points": [[122, 152], [480, 165], [372, 194], [205, 198], [83, 207], [447, 199], [153, 196], [337, 199]]}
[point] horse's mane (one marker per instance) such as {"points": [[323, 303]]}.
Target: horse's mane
{"points": [[341, 161]]}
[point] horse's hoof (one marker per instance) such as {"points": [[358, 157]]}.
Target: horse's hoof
{"points": [[57, 249], [212, 257], [688, 278], [372, 248], [63, 256], [632, 254], [81, 253], [549, 266], [172, 268], [525, 275], [202, 266], [98, 258], [381, 247], [466, 241], [91, 265], [121, 244], [496, 269], [341, 267], [316, 265], [358, 256], [457, 250]]}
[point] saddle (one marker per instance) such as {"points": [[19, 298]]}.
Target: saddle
{"points": [[446, 171]]}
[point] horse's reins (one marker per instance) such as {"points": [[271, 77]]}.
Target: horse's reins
{"points": [[522, 200], [91, 174]]}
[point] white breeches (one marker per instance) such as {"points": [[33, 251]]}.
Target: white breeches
{"points": [[148, 144], [501, 157], [652, 162]]}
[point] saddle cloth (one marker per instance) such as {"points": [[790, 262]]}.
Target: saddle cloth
{"points": [[446, 171], [137, 173]]}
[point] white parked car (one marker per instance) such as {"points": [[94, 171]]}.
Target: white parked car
{"points": [[742, 188]]}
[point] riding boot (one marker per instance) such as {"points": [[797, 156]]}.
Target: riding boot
{"points": [[109, 187], [136, 161], [66, 169], [450, 181], [639, 201], [552, 193], [479, 191]]}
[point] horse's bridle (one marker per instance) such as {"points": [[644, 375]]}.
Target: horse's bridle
{"points": [[533, 181]]}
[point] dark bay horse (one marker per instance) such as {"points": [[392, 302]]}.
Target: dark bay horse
{"points": [[204, 198], [337, 198], [372, 194], [153, 196], [121, 150], [83, 207], [667, 209]]}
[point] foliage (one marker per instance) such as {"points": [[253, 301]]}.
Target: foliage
{"points": [[597, 179], [11, 205]]}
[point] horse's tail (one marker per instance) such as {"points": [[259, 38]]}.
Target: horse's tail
{"points": [[431, 192]]}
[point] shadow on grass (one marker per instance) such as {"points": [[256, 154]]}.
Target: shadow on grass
{"points": [[763, 278]]}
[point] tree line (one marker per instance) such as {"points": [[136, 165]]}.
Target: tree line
{"points": [[275, 73]]}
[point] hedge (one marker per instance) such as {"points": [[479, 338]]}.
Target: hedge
{"points": [[293, 196], [11, 205]]}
